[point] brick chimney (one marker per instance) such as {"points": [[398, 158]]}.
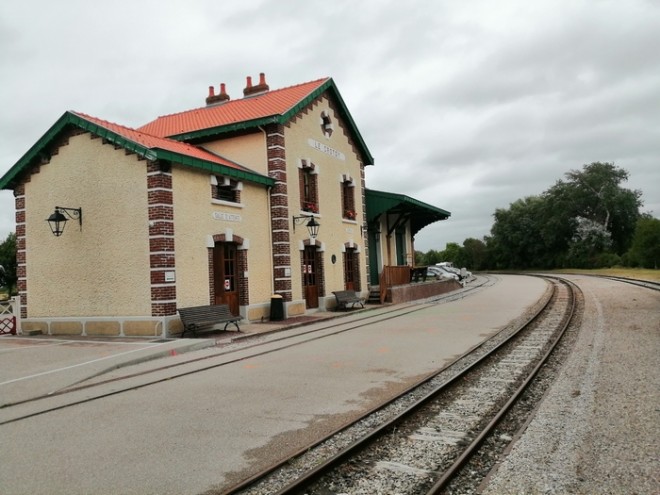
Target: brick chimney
{"points": [[260, 88], [212, 98]]}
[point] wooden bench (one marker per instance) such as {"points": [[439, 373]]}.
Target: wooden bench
{"points": [[417, 273], [205, 318], [346, 297]]}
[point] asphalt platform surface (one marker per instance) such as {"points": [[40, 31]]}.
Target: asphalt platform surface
{"points": [[192, 415]]}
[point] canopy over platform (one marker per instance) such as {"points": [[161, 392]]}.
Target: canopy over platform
{"points": [[404, 207]]}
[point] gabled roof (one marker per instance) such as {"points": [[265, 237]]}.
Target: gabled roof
{"points": [[420, 214], [145, 145], [274, 106]]}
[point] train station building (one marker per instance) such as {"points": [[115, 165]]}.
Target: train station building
{"points": [[234, 202]]}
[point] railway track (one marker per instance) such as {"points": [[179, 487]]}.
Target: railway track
{"points": [[647, 284], [419, 442]]}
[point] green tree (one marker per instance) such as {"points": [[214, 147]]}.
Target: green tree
{"points": [[589, 241], [596, 193], [474, 254], [431, 258], [645, 250], [580, 220], [451, 253], [8, 277], [516, 240]]}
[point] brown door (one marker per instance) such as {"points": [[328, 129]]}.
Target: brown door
{"points": [[225, 279], [350, 269], [309, 277]]}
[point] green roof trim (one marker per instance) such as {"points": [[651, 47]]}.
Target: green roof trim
{"points": [[330, 86], [223, 129], [189, 161], [282, 119], [420, 214], [8, 180]]}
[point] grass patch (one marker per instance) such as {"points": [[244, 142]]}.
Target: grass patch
{"points": [[638, 273]]}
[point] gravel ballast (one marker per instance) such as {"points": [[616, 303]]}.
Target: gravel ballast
{"points": [[598, 429]]}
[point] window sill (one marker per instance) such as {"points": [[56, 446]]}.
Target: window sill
{"points": [[226, 203]]}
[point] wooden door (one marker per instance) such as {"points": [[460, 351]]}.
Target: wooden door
{"points": [[350, 269], [310, 279], [225, 275]]}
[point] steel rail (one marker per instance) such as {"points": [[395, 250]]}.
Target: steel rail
{"points": [[472, 448], [647, 284], [346, 453], [639, 282]]}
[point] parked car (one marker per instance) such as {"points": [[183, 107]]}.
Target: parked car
{"points": [[441, 273], [463, 273]]}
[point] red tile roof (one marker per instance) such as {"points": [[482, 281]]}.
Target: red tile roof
{"points": [[271, 103], [151, 140], [154, 142]]}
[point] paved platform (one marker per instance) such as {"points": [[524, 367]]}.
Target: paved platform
{"points": [[34, 365], [238, 411]]}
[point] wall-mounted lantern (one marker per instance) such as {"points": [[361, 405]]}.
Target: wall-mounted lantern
{"points": [[312, 225], [57, 221]]}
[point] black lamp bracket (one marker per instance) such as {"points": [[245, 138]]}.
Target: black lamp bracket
{"points": [[312, 224], [72, 213], [299, 220]]}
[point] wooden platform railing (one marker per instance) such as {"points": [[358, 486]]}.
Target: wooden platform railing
{"points": [[393, 275]]}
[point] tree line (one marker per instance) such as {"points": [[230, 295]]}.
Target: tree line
{"points": [[586, 220]]}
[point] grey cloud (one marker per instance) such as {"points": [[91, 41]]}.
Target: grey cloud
{"points": [[467, 106]]}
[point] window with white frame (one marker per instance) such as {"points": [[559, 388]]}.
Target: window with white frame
{"points": [[226, 189]]}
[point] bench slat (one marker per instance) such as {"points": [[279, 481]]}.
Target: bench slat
{"points": [[195, 317], [345, 297]]}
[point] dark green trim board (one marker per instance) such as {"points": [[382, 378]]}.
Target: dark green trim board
{"points": [[194, 136], [37, 151]]}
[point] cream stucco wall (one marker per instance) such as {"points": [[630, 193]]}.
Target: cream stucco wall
{"points": [[248, 150], [333, 158], [102, 270], [198, 218]]}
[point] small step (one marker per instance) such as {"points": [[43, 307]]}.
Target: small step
{"points": [[374, 297], [30, 333]]}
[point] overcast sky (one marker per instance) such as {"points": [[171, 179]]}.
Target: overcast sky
{"points": [[466, 105]]}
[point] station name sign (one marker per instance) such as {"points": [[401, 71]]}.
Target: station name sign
{"points": [[227, 217], [326, 149]]}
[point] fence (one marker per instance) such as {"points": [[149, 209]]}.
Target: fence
{"points": [[393, 275], [10, 316]]}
